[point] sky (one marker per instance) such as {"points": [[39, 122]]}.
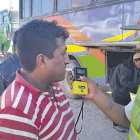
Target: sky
{"points": [[5, 4]]}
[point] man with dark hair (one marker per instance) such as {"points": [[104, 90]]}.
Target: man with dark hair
{"points": [[36, 105], [126, 79], [8, 67]]}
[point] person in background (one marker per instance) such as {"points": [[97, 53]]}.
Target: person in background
{"points": [[125, 79], [2, 48], [34, 105], [8, 67]]}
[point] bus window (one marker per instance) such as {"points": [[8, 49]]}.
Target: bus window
{"points": [[5, 18], [26, 4], [77, 3], [36, 7], [66, 4], [47, 6]]}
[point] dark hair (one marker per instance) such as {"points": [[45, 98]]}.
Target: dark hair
{"points": [[15, 38], [38, 37]]}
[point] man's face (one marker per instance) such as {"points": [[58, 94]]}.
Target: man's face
{"points": [[58, 62], [137, 63]]}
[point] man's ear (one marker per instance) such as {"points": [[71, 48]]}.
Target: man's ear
{"points": [[42, 60]]}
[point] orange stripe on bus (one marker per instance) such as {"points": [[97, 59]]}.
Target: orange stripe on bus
{"points": [[98, 54], [74, 32], [76, 35]]}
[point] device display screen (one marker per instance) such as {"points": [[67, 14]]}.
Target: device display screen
{"points": [[81, 71]]}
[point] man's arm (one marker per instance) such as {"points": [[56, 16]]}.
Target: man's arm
{"points": [[111, 109]]}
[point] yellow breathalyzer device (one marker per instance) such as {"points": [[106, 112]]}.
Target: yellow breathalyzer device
{"points": [[79, 87]]}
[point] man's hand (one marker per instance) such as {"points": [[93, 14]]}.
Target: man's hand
{"points": [[92, 88], [111, 109]]}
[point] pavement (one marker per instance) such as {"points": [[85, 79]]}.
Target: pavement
{"points": [[95, 125]]}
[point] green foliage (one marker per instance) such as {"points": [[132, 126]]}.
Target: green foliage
{"points": [[2, 40]]}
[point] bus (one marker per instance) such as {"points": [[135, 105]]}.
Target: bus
{"points": [[8, 25], [102, 32]]}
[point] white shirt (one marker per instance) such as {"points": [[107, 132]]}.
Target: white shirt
{"points": [[128, 109]]}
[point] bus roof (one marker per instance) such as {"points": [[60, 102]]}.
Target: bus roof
{"points": [[131, 27], [110, 46]]}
